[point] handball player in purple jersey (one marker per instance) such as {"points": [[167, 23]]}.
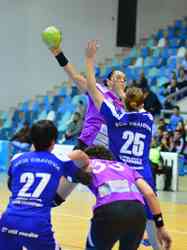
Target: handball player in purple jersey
{"points": [[118, 214], [129, 130], [94, 130]]}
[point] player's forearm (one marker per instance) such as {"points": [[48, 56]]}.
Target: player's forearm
{"points": [[152, 201], [97, 96], [58, 200], [65, 188], [69, 68], [79, 157], [155, 209]]}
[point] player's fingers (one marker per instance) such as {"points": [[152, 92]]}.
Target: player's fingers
{"points": [[91, 45], [168, 244]]}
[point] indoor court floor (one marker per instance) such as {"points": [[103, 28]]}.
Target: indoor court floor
{"points": [[71, 220]]}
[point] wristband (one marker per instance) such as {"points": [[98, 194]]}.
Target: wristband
{"points": [[158, 219], [62, 60], [57, 200]]}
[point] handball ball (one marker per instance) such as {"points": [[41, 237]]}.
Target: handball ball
{"points": [[52, 37]]}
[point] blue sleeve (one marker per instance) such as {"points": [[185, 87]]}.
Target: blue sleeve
{"points": [[70, 170], [110, 113], [10, 170]]}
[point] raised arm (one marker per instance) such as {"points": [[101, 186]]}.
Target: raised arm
{"points": [[96, 95], [154, 205], [65, 187], [69, 68], [52, 38]]}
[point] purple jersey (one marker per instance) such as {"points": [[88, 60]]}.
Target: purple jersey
{"points": [[113, 181], [94, 130]]}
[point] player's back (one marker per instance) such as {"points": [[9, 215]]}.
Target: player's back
{"points": [[34, 180], [136, 133], [113, 181], [130, 136]]}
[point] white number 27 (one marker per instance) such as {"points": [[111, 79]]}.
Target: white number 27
{"points": [[134, 143], [29, 179]]}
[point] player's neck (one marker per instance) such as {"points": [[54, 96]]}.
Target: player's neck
{"points": [[141, 110]]}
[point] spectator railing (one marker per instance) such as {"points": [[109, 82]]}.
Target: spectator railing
{"points": [[178, 95]]}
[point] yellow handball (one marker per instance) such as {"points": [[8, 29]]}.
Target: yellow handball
{"points": [[52, 37]]}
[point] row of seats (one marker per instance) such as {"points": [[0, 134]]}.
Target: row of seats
{"points": [[157, 62]]}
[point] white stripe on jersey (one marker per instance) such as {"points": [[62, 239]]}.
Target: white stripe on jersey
{"points": [[149, 116], [102, 137], [16, 156], [113, 110], [123, 112], [90, 238], [57, 246], [102, 88]]}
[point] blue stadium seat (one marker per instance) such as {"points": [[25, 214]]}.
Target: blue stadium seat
{"points": [[159, 34], [165, 53], [172, 62], [25, 106], [134, 53], [178, 24], [77, 98], [174, 43], [126, 61], [153, 72], [156, 52], [148, 61], [162, 80], [172, 51], [183, 34], [4, 155], [63, 91], [171, 32], [63, 123], [107, 71], [144, 52]]}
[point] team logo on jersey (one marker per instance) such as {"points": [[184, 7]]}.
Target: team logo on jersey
{"points": [[121, 124]]}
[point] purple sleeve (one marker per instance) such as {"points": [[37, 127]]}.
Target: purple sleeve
{"points": [[109, 112]]}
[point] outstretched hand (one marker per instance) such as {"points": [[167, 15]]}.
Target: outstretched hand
{"points": [[91, 49], [164, 238]]}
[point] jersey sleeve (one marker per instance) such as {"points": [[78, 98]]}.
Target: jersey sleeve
{"points": [[70, 170], [110, 113]]}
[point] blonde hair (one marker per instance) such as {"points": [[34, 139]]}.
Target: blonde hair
{"points": [[134, 98]]}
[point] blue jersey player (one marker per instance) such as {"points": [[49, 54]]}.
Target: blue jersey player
{"points": [[129, 131], [33, 180]]}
